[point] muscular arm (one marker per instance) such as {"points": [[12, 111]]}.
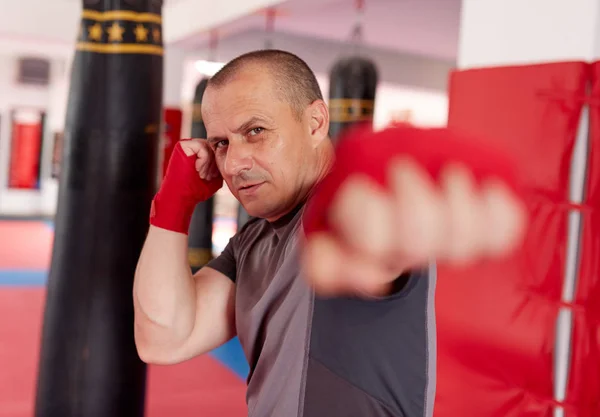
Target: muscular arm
{"points": [[177, 315]]}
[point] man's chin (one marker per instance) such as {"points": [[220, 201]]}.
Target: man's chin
{"points": [[252, 212], [255, 209]]}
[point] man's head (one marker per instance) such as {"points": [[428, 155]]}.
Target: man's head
{"points": [[268, 126]]}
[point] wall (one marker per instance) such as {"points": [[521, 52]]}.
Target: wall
{"points": [[13, 95], [407, 81], [395, 67], [420, 107], [427, 107]]}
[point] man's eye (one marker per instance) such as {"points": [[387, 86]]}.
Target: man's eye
{"points": [[221, 143], [256, 131]]}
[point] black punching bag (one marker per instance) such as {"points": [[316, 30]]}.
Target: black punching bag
{"points": [[201, 226], [352, 87], [89, 365]]}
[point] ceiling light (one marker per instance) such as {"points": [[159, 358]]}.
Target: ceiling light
{"points": [[208, 68]]}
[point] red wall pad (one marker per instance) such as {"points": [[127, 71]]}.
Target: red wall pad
{"points": [[496, 321], [25, 152]]}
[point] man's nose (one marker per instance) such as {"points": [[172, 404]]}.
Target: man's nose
{"points": [[238, 158]]}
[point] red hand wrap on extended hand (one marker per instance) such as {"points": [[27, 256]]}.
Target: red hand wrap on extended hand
{"points": [[369, 153], [181, 189]]}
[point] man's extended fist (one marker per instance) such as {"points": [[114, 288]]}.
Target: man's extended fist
{"points": [[420, 196]]}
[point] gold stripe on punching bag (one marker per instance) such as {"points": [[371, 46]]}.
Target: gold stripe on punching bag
{"points": [[120, 32], [348, 110], [197, 113], [89, 365], [198, 257], [352, 88], [129, 15]]}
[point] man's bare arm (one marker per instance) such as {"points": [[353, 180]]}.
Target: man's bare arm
{"points": [[177, 315]]}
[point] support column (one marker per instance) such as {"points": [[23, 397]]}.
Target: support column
{"points": [[512, 32], [173, 76], [200, 247], [523, 84]]}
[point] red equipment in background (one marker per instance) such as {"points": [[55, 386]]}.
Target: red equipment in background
{"points": [[171, 134], [26, 143]]}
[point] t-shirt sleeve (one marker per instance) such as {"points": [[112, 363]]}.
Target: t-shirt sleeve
{"points": [[225, 262]]}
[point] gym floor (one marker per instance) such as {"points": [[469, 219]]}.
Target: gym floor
{"points": [[212, 385]]}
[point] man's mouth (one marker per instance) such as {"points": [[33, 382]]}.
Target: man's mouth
{"points": [[250, 187]]}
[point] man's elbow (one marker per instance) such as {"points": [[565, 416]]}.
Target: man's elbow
{"points": [[156, 356], [152, 351], [152, 357]]}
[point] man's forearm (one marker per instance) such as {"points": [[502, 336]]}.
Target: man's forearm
{"points": [[164, 291]]}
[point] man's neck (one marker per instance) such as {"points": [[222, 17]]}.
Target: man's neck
{"points": [[324, 164]]}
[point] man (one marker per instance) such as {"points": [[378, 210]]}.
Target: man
{"points": [[327, 287]]}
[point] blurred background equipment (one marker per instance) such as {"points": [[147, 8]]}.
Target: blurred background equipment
{"points": [[89, 364], [201, 226], [172, 119], [352, 84], [200, 238], [27, 136], [352, 88]]}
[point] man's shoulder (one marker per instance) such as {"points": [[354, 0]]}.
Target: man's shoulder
{"points": [[260, 234], [251, 225]]}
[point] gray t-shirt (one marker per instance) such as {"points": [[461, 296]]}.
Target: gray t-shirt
{"points": [[326, 357]]}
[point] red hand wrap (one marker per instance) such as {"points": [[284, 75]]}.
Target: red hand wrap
{"points": [[369, 153], [181, 189]]}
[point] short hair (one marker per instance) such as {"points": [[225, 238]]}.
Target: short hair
{"points": [[293, 77]]}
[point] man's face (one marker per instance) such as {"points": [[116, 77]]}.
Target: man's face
{"points": [[262, 149]]}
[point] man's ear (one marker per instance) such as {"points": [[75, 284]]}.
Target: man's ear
{"points": [[318, 121]]}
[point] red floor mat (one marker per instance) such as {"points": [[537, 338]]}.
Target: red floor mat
{"points": [[198, 388], [25, 244]]}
